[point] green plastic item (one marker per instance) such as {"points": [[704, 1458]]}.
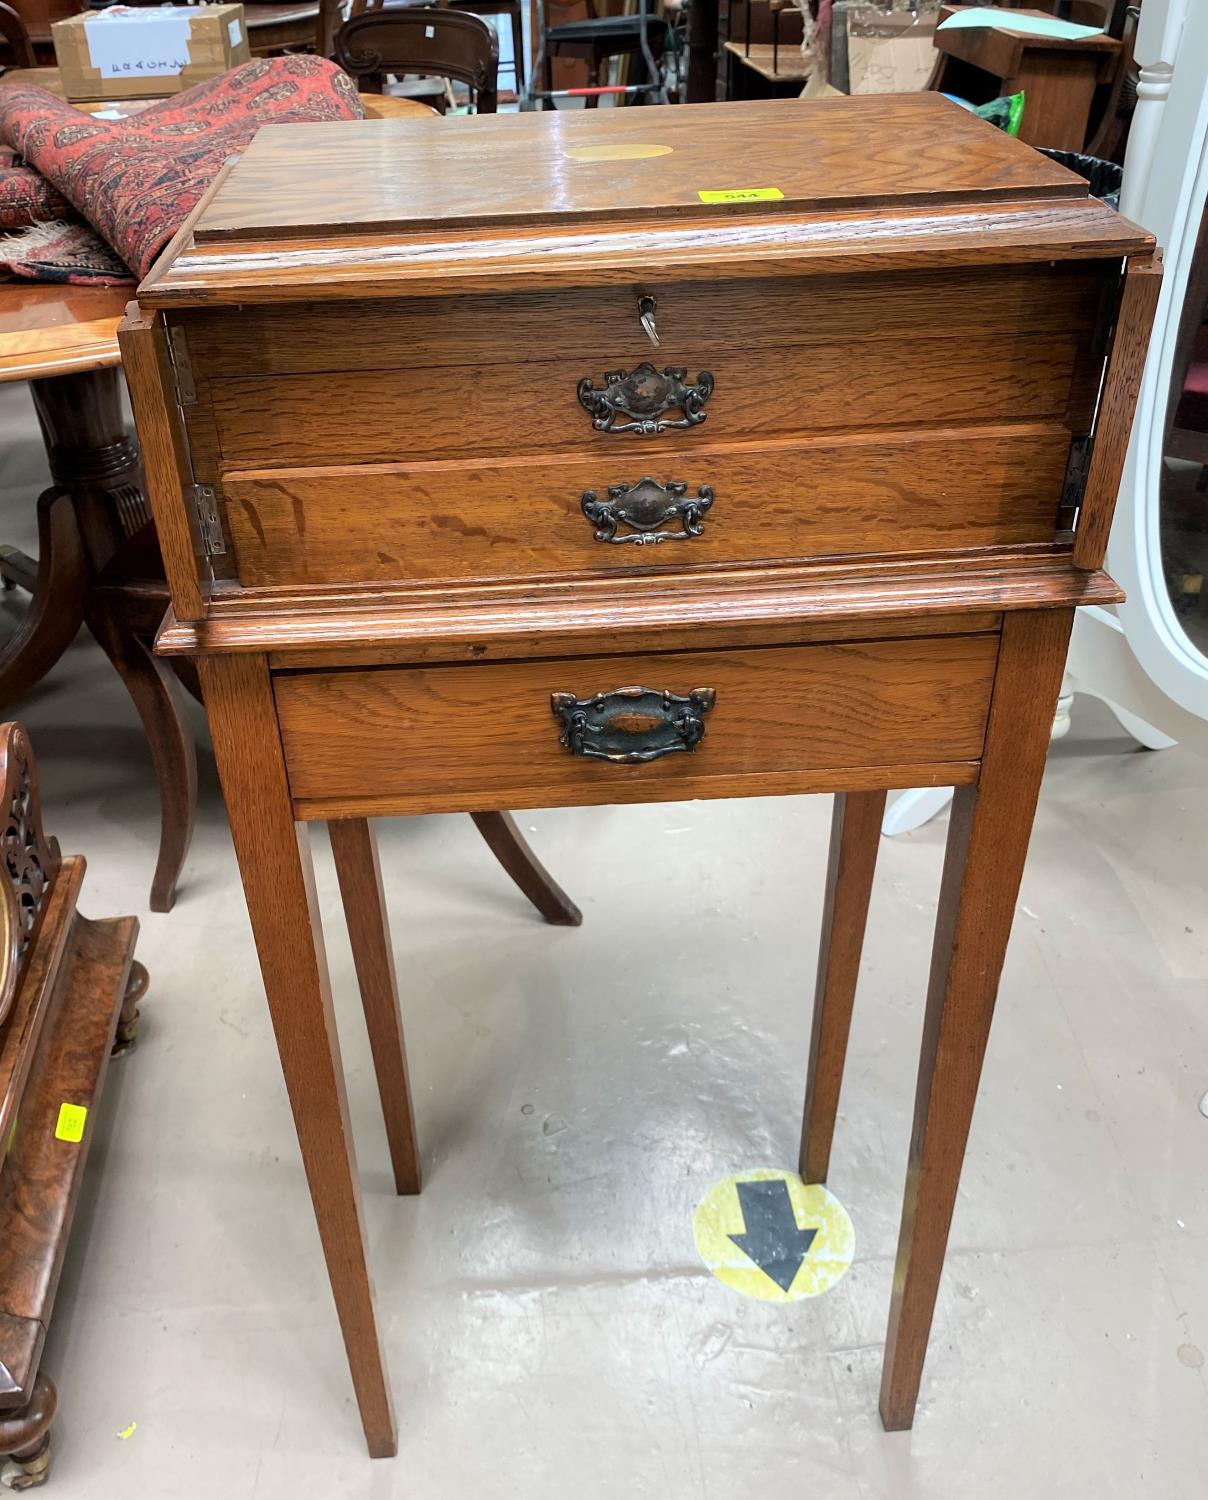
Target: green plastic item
{"points": [[1006, 112]]}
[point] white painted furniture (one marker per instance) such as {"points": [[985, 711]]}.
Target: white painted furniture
{"points": [[1137, 658]]}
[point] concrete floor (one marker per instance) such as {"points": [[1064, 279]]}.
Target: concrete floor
{"points": [[550, 1328]]}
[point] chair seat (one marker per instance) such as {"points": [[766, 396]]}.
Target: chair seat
{"points": [[605, 29]]}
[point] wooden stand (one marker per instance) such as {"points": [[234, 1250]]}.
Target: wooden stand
{"points": [[756, 562], [69, 995], [1058, 78]]}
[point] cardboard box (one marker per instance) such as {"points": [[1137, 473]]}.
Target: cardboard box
{"points": [[147, 52]]}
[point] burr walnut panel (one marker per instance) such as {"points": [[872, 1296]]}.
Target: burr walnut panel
{"points": [[890, 493], [407, 734]]}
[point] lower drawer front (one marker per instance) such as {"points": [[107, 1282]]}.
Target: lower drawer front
{"points": [[483, 736]]}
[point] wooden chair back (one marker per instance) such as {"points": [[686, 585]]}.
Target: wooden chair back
{"points": [[330, 19], [423, 41], [12, 29]]}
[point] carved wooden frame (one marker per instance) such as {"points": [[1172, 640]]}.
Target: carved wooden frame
{"points": [[31, 860]]}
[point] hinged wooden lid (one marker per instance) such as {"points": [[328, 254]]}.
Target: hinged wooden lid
{"points": [[372, 208], [573, 166]]}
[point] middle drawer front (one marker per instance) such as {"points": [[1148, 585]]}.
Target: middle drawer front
{"points": [[889, 492], [485, 736]]}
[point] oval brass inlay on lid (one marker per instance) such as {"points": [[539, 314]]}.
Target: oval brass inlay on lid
{"points": [[634, 152]]}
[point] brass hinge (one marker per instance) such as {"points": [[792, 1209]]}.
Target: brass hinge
{"points": [[208, 524], [1074, 485], [182, 369]]}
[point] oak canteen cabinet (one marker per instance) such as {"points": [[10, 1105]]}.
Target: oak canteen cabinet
{"points": [[626, 455]]}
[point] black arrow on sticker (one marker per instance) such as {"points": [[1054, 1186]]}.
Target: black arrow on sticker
{"points": [[772, 1239]]}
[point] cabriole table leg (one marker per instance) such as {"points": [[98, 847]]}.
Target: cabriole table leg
{"points": [[95, 503], [511, 849], [56, 606]]}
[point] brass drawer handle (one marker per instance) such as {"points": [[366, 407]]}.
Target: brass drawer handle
{"points": [[645, 507], [632, 724], [644, 396]]}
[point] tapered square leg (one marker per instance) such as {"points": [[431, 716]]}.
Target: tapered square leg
{"points": [[278, 881], [359, 872], [855, 837], [987, 844]]}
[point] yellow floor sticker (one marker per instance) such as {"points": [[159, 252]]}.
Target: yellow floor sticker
{"points": [[767, 1234]]}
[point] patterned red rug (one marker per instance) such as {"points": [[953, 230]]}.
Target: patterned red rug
{"points": [[25, 197], [136, 180], [65, 251]]}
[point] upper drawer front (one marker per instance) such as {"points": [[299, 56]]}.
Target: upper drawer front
{"points": [[405, 736], [428, 379], [888, 493], [392, 414]]}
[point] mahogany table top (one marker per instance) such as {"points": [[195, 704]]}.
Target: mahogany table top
{"points": [[50, 329]]}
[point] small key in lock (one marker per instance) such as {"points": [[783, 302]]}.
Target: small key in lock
{"points": [[647, 307]]}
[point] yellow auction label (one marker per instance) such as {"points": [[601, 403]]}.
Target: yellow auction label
{"points": [[71, 1122], [741, 195], [767, 1234]]}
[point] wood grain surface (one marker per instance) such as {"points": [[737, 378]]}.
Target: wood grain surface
{"points": [[359, 872], [166, 463], [387, 324], [39, 993], [851, 864], [464, 172], [278, 881], [860, 778], [599, 326], [42, 1175], [532, 407], [52, 329], [988, 835], [539, 258], [881, 492], [409, 734], [1113, 423], [763, 604]]}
